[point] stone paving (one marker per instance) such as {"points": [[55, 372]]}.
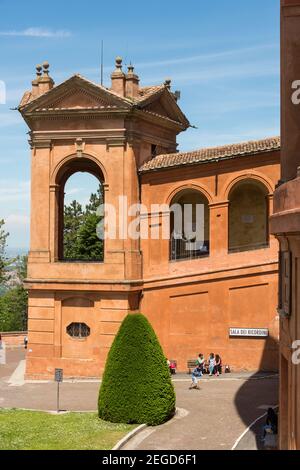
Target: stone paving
{"points": [[213, 417]]}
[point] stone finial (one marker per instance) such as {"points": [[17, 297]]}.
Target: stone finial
{"points": [[35, 82], [119, 64], [118, 78], [39, 69], [46, 68], [42, 82], [167, 83], [132, 83], [45, 81]]}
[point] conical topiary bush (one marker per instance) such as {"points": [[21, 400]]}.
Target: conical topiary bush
{"points": [[136, 386]]}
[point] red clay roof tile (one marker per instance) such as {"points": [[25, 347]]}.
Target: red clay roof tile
{"points": [[211, 154]]}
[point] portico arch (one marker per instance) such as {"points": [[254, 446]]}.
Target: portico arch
{"points": [[248, 215], [69, 167]]}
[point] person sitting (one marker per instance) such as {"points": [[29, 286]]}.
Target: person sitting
{"points": [[205, 367], [218, 365], [271, 425], [201, 362], [172, 367], [211, 364]]}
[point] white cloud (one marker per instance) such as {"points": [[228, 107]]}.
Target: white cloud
{"points": [[17, 225], [211, 56], [14, 191], [38, 33], [17, 221]]}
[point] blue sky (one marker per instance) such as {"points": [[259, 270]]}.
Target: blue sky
{"points": [[222, 55]]}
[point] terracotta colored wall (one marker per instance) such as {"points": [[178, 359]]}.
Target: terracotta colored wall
{"points": [[215, 181], [193, 303], [195, 317], [50, 346]]}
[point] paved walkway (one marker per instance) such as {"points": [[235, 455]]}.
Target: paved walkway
{"points": [[214, 417]]}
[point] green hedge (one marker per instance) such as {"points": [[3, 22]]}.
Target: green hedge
{"points": [[136, 385]]}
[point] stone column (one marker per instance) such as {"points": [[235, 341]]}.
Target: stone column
{"points": [[218, 218]]}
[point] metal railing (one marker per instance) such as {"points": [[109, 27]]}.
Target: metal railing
{"points": [[181, 249]]}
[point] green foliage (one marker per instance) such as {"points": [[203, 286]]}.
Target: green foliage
{"points": [[13, 309], [80, 237], [73, 219], [21, 267], [89, 246], [136, 385], [13, 297], [3, 260]]}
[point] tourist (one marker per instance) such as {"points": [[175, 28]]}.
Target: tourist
{"points": [[211, 364], [25, 342], [271, 425], [172, 367], [196, 375], [206, 366], [218, 365], [201, 362]]}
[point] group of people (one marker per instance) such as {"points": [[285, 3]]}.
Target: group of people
{"points": [[211, 366]]}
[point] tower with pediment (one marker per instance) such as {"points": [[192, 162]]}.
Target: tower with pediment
{"points": [[80, 126]]}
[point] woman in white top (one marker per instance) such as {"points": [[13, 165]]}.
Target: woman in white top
{"points": [[211, 364]]}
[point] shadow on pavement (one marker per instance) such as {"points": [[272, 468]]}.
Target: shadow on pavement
{"points": [[253, 387]]}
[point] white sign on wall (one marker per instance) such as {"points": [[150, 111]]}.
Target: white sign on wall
{"points": [[252, 332]]}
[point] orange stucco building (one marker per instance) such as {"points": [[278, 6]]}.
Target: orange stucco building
{"points": [[125, 136], [285, 224]]}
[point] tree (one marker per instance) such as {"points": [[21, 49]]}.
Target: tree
{"points": [[73, 217], [95, 200], [80, 237], [136, 385], [14, 301], [14, 298], [88, 244], [3, 260], [21, 267], [13, 310]]}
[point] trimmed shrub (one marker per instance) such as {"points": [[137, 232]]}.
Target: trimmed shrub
{"points": [[136, 385]]}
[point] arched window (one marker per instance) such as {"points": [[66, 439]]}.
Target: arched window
{"points": [[248, 216], [189, 226], [80, 195]]}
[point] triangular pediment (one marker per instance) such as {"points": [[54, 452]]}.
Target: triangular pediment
{"points": [[158, 108], [164, 104], [78, 97], [77, 93]]}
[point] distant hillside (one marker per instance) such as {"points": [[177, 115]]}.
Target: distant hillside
{"points": [[12, 252]]}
